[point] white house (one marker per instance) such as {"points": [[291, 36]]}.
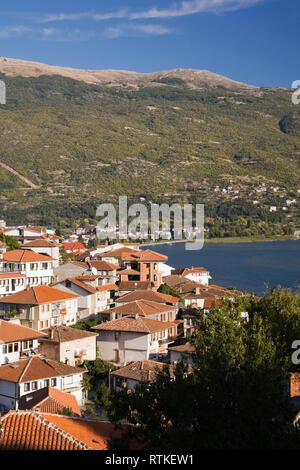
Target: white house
{"points": [[44, 247], [41, 307], [27, 375], [134, 338], [200, 275], [37, 268], [11, 283], [17, 341], [136, 372]]}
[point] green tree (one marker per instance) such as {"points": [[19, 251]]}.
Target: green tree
{"points": [[233, 398], [102, 395], [86, 385]]}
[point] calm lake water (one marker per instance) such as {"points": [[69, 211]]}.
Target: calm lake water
{"points": [[248, 266]]}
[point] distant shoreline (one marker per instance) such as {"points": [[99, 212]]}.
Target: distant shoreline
{"points": [[223, 240]]}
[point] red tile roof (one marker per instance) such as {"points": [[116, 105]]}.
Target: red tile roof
{"points": [[37, 295], [35, 368], [25, 256], [10, 331], [40, 243], [73, 246], [11, 275], [30, 430], [49, 400], [107, 287], [135, 324]]}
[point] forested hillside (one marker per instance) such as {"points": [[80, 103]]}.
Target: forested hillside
{"points": [[82, 144]]}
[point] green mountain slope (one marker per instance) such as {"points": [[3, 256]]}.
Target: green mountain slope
{"points": [[83, 144]]}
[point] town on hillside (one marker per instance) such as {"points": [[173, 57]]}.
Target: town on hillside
{"points": [[78, 324]]}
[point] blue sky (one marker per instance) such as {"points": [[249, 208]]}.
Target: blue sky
{"points": [[254, 41]]}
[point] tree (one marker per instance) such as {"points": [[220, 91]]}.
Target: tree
{"points": [[102, 395], [86, 385], [166, 289], [233, 398]]}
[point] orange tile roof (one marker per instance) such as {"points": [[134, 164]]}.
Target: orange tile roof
{"points": [[10, 331], [35, 368], [37, 295], [82, 284], [141, 307], [107, 287], [28, 430], [103, 265], [129, 254], [25, 256], [136, 324], [40, 243], [49, 400], [11, 275]]}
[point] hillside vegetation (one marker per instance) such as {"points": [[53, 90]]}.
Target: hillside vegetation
{"points": [[82, 144]]}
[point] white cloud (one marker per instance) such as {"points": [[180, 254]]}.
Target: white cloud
{"points": [[195, 6], [130, 29], [182, 8]]}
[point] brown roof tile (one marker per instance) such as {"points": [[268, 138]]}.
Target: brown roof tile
{"points": [[142, 370], [136, 324]]}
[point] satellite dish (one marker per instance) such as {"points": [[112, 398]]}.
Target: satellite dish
{"points": [[94, 270]]}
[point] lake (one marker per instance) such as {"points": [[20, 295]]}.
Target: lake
{"points": [[251, 266]]}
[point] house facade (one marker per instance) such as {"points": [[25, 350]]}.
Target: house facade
{"points": [[17, 342], [134, 338], [27, 375], [41, 307], [69, 345]]}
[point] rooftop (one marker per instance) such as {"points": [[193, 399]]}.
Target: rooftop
{"points": [[49, 400], [10, 331], [37, 295], [142, 370], [134, 324]]}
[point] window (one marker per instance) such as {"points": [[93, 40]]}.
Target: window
{"points": [[4, 349], [117, 335], [16, 347], [27, 387], [10, 348], [53, 382], [46, 383], [34, 385]]}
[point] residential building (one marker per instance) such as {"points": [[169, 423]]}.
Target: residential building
{"points": [[146, 308], [41, 307], [27, 375], [95, 294], [37, 268], [134, 338], [144, 263], [181, 353], [44, 247], [136, 372], [69, 345], [200, 275], [17, 341], [25, 234]]}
